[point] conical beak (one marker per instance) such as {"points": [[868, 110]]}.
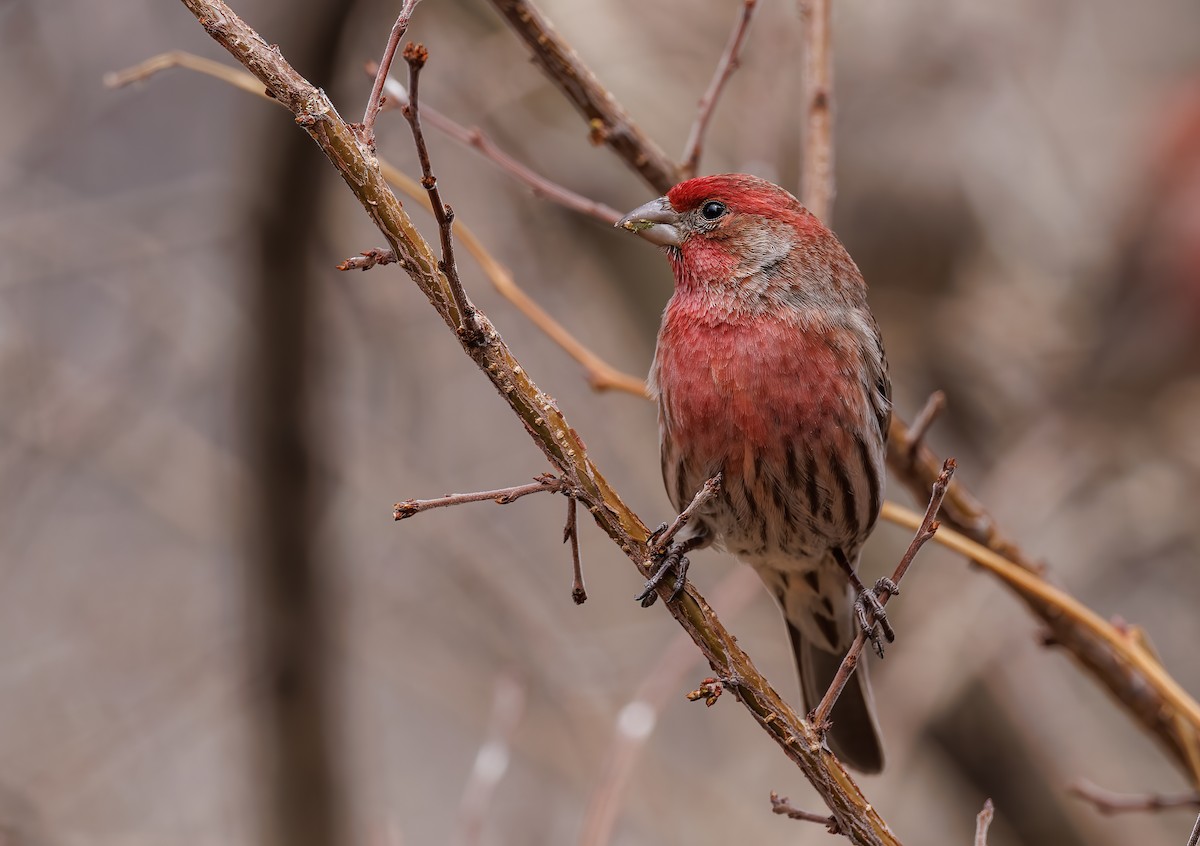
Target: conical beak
{"points": [[656, 221]]}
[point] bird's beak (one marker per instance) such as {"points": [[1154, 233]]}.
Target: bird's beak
{"points": [[656, 221]]}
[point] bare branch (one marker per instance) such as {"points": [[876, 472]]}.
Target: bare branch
{"points": [[780, 805], [983, 821], [608, 123], [1195, 835], [416, 55], [662, 538], [1109, 802], [927, 529], [474, 138], [816, 166], [375, 103], [545, 483], [729, 62]]}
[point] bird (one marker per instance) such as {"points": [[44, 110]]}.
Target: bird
{"points": [[769, 370]]}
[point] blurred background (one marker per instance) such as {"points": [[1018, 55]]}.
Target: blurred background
{"points": [[209, 621]]}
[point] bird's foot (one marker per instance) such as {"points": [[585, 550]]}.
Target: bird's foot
{"points": [[674, 558], [868, 608]]}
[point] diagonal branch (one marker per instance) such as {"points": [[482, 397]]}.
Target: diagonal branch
{"points": [[729, 62], [925, 531], [607, 120], [542, 419]]}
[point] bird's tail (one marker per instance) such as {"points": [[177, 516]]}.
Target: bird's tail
{"points": [[854, 736]]}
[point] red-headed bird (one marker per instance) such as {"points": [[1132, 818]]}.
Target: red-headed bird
{"points": [[770, 370]]}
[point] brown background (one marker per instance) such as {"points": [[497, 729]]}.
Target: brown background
{"points": [[1020, 183]]}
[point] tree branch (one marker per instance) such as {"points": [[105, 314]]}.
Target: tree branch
{"points": [[816, 165], [545, 483], [375, 102], [608, 122], [416, 55], [729, 62], [541, 417]]}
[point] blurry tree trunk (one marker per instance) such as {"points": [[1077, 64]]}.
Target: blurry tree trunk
{"points": [[287, 598]]}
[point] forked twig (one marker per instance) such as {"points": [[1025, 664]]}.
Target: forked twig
{"points": [[728, 63], [662, 538], [927, 529], [375, 103]]}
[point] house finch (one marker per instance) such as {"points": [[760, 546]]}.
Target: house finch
{"points": [[770, 370]]}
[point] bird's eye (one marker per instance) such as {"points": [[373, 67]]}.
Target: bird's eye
{"points": [[712, 210]]}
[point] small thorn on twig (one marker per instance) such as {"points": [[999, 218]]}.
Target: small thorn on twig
{"points": [[710, 691], [780, 805]]}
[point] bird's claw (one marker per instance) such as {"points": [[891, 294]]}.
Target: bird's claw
{"points": [[869, 610], [673, 559]]}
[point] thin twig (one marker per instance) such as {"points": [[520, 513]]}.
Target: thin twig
{"points": [[416, 55], [546, 483], [608, 123], [780, 805], [375, 103], [983, 821], [661, 540], [1195, 836], [924, 419], [571, 534], [491, 761], [927, 529], [816, 167], [475, 139], [1110, 802], [729, 62]]}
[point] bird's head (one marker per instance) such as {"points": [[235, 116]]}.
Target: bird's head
{"points": [[736, 231]]}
